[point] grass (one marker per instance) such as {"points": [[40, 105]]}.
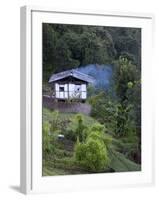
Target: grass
{"points": [[65, 117], [121, 164], [61, 161], [48, 170]]}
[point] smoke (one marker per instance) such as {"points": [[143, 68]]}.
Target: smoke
{"points": [[101, 73]]}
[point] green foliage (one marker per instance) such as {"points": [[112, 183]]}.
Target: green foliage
{"points": [[119, 163], [55, 122], [130, 84], [97, 127], [126, 74], [77, 128], [97, 152], [92, 154], [98, 131], [120, 120], [69, 46], [104, 109], [127, 43], [90, 91], [80, 128], [47, 139], [128, 90], [124, 124]]}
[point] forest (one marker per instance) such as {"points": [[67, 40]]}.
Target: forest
{"points": [[109, 138]]}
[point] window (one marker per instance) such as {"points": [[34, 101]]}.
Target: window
{"points": [[61, 88], [77, 88]]}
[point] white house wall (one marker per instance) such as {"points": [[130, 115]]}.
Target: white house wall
{"points": [[58, 93], [84, 91], [69, 91], [73, 92]]}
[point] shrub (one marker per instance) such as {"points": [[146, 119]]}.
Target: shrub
{"points": [[98, 131], [76, 129], [92, 155], [97, 127]]}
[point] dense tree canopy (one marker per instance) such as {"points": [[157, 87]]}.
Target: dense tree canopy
{"points": [[71, 46]]}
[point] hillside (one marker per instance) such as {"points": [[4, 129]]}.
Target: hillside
{"points": [[61, 161]]}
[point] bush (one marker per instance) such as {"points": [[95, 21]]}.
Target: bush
{"points": [[76, 129], [98, 131], [92, 155]]}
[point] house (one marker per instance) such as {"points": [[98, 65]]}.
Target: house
{"points": [[70, 84]]}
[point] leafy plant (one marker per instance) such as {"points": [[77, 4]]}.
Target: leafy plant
{"points": [[47, 139], [92, 153], [77, 128], [55, 122]]}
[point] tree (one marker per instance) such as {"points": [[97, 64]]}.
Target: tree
{"points": [[92, 154], [105, 110], [126, 73], [128, 90]]}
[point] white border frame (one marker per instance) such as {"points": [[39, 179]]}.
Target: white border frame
{"points": [[31, 181]]}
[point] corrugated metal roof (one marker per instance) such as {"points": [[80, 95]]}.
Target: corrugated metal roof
{"points": [[73, 73]]}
